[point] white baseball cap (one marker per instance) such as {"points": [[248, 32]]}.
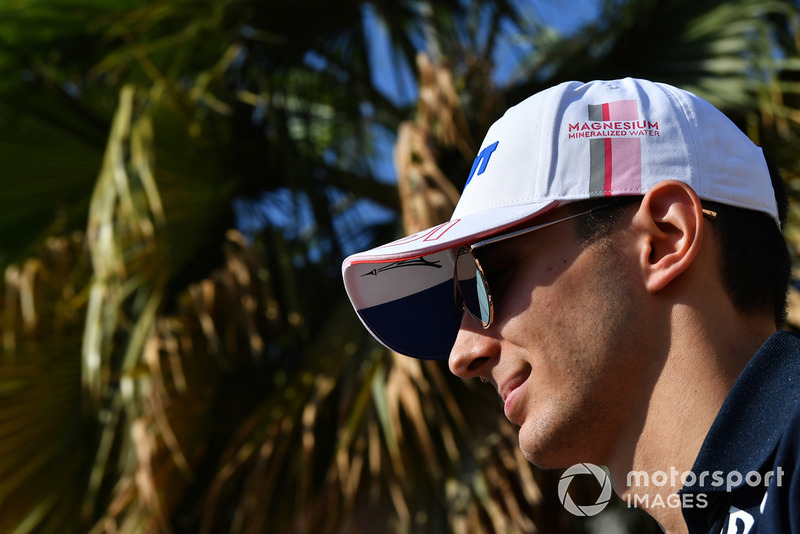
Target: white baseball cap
{"points": [[571, 142]]}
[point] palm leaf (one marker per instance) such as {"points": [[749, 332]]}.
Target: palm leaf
{"points": [[167, 374]]}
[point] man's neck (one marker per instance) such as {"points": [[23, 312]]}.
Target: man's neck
{"points": [[690, 387]]}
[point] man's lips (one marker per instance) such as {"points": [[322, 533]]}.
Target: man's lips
{"points": [[509, 391]]}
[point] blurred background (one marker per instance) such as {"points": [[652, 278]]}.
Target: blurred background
{"points": [[179, 183]]}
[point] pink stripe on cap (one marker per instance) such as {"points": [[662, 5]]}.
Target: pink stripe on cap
{"points": [[625, 175]]}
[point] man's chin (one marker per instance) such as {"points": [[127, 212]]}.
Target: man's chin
{"points": [[544, 459], [547, 454]]}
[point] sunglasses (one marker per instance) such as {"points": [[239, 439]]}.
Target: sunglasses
{"points": [[471, 288]]}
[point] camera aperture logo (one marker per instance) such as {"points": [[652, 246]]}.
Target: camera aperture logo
{"points": [[658, 490], [584, 469]]}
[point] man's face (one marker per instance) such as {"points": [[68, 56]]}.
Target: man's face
{"points": [[563, 349]]}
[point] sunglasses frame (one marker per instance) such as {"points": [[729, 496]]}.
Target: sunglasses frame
{"points": [[470, 249]]}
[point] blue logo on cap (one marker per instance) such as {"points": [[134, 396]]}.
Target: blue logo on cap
{"points": [[481, 161]]}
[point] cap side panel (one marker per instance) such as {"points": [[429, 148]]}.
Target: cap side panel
{"points": [[739, 178], [687, 124]]}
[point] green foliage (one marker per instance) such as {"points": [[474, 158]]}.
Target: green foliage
{"points": [[163, 372]]}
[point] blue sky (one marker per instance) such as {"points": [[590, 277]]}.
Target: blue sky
{"points": [[397, 82], [292, 212]]}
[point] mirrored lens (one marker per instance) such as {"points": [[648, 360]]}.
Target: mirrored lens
{"points": [[483, 298], [473, 288]]}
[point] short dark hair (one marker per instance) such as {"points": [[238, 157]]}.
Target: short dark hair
{"points": [[754, 260], [755, 263]]}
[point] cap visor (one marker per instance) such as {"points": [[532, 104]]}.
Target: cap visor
{"points": [[403, 291]]}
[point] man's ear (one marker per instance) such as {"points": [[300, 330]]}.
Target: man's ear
{"points": [[671, 220]]}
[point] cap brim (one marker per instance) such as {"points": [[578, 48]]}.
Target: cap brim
{"points": [[403, 291]]}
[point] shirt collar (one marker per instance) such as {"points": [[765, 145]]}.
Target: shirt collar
{"points": [[755, 412]]}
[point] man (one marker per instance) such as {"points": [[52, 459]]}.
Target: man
{"points": [[617, 251]]}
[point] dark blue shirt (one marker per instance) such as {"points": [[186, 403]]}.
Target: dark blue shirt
{"points": [[746, 477]]}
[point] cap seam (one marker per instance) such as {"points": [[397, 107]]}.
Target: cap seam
{"points": [[694, 167]]}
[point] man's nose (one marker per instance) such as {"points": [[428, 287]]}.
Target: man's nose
{"points": [[475, 350]]}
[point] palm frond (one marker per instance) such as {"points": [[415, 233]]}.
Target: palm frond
{"points": [[164, 373]]}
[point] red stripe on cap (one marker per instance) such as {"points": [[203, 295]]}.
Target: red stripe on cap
{"points": [[609, 161], [609, 151]]}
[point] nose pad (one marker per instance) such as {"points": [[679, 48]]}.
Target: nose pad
{"points": [[474, 351]]}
